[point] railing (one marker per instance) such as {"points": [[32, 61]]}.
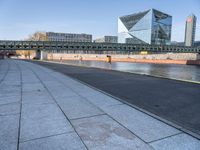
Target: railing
{"points": [[96, 47]]}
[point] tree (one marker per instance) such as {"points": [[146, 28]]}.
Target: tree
{"points": [[38, 36]]}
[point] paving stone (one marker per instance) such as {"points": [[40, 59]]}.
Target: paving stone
{"points": [[33, 87], [7, 99], [30, 79], [177, 142], [78, 107], [36, 97], [10, 146], [10, 109], [42, 120], [10, 88], [9, 132], [44, 126], [103, 133], [52, 83], [12, 83], [69, 141], [144, 126], [86, 91], [102, 100], [61, 91], [43, 76]]}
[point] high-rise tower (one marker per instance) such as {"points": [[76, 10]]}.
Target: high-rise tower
{"points": [[190, 29]]}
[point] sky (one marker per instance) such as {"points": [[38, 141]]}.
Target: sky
{"points": [[21, 18]]}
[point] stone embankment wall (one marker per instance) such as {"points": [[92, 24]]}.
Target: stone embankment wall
{"points": [[171, 58]]}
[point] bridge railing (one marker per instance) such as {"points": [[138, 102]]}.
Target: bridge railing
{"points": [[86, 46]]}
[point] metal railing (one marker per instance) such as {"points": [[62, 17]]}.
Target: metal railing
{"points": [[86, 47]]}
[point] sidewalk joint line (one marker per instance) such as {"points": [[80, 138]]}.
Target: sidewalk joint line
{"points": [[88, 117], [53, 135], [166, 137], [60, 108], [20, 114], [11, 103], [9, 115], [98, 107]]}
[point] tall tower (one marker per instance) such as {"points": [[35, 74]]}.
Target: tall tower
{"points": [[190, 29]]}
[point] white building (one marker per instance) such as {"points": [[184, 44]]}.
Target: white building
{"points": [[107, 39]]}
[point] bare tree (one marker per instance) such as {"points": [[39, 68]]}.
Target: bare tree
{"points": [[38, 36]]}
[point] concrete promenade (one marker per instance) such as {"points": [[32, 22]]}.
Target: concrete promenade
{"points": [[41, 109]]}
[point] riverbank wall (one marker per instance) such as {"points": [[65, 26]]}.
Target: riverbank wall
{"points": [[169, 58]]}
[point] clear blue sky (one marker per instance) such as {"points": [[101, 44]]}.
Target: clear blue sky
{"points": [[20, 18]]}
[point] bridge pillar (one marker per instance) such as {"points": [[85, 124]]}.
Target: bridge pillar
{"points": [[198, 56], [41, 55], [38, 54]]}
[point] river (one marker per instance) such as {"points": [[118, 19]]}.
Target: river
{"points": [[172, 71]]}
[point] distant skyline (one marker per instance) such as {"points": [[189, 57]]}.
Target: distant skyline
{"points": [[20, 18]]}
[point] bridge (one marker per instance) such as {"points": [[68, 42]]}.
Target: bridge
{"points": [[91, 47]]}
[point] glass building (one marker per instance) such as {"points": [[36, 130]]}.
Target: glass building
{"points": [[148, 27], [68, 37]]}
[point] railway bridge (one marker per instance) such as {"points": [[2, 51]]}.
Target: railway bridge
{"points": [[90, 47]]}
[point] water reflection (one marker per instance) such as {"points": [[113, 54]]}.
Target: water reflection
{"points": [[185, 72]]}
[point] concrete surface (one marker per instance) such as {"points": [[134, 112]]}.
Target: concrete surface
{"points": [[175, 101], [74, 116]]}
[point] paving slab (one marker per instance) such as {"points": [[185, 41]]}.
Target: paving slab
{"points": [[52, 83], [101, 100], [69, 141], [60, 91], [36, 97], [175, 101], [26, 79], [177, 142], [10, 89], [7, 99], [13, 83], [85, 91], [10, 109], [103, 133], [100, 121], [77, 107], [42, 120], [144, 126], [32, 87], [9, 126]]}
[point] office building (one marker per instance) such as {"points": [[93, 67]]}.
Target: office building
{"points": [[197, 43], [190, 29], [68, 37], [107, 39], [148, 27]]}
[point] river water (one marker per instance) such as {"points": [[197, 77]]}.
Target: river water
{"points": [[180, 72]]}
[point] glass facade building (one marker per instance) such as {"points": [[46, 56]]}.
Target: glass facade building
{"points": [[68, 37], [148, 27]]}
